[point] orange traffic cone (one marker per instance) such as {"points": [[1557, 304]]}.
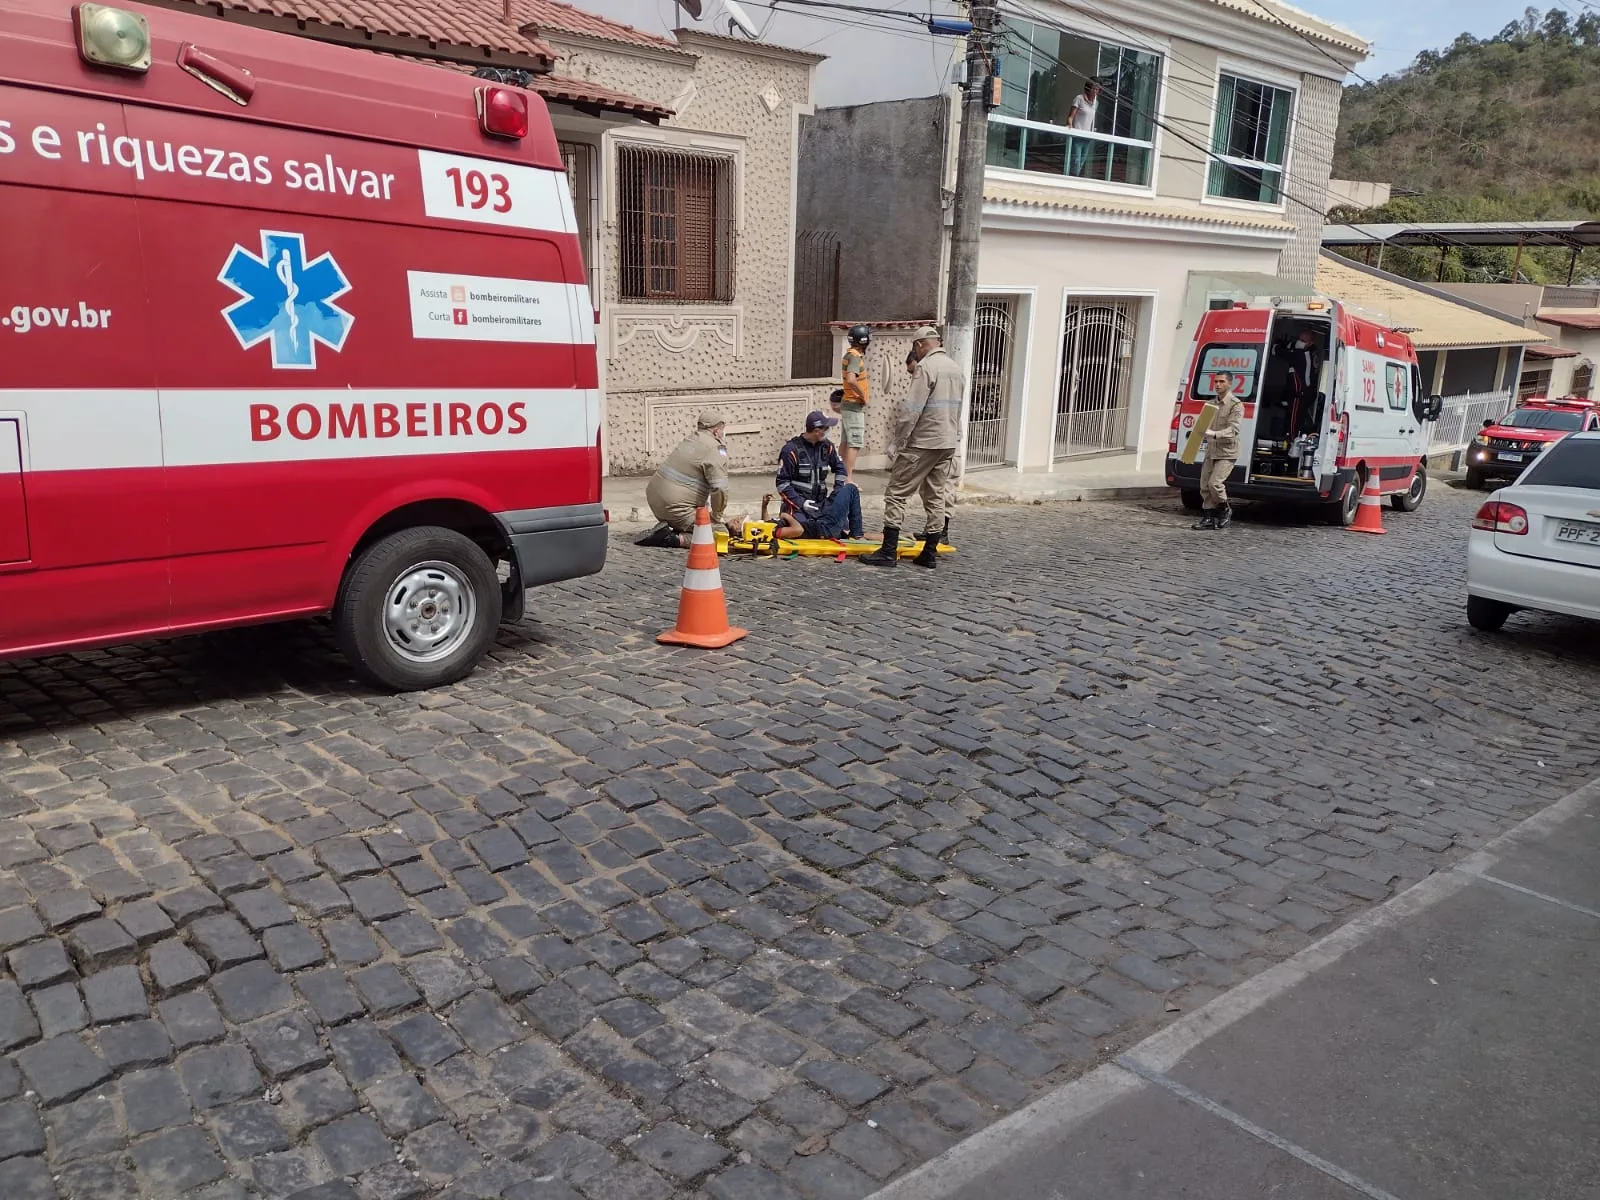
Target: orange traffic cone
{"points": [[702, 612], [1369, 517]]}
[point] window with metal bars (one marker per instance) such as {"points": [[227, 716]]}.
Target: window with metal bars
{"points": [[677, 225], [578, 158]]}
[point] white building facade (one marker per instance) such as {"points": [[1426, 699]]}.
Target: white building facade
{"points": [[1199, 174]]}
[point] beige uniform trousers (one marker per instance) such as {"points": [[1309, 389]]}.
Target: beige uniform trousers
{"points": [[919, 471], [1214, 477]]}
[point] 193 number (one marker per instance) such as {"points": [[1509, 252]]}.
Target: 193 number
{"points": [[476, 190]]}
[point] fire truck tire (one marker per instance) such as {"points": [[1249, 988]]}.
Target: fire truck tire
{"points": [[418, 609], [1411, 499], [1191, 500], [1474, 479]]}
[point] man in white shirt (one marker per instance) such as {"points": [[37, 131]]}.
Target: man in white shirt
{"points": [[1084, 110]]}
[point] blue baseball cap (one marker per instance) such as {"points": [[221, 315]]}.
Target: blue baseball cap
{"points": [[817, 419]]}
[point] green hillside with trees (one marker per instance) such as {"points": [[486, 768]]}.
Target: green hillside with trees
{"points": [[1506, 128]]}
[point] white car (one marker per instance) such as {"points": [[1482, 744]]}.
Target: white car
{"points": [[1536, 544]]}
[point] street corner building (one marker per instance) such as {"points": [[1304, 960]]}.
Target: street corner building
{"points": [[1197, 177], [681, 153]]}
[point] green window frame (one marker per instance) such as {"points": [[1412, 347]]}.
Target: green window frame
{"points": [[1250, 140], [1043, 70]]}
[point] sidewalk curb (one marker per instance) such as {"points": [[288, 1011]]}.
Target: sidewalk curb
{"points": [[1048, 1118]]}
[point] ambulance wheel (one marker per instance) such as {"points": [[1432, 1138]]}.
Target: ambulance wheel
{"points": [[1411, 499], [1348, 504], [418, 609], [1191, 500]]}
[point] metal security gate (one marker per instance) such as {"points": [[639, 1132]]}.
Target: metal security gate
{"points": [[1092, 400], [989, 422]]}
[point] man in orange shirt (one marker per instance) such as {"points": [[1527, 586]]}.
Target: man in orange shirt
{"points": [[853, 407]]}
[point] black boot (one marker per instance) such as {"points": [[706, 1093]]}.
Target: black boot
{"points": [[1224, 515], [888, 554], [928, 556], [944, 534], [1209, 521]]}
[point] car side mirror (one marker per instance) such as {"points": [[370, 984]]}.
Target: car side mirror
{"points": [[1487, 422]]}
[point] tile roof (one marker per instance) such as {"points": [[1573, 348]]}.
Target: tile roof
{"points": [[1023, 196], [1432, 321], [583, 93], [1571, 319], [1275, 12], [478, 23], [551, 16], [1550, 352]]}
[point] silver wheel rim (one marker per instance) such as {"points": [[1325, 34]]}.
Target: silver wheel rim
{"points": [[428, 612], [1418, 482], [1352, 497]]}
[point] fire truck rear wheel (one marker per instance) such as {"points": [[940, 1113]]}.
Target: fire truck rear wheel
{"points": [[418, 609]]}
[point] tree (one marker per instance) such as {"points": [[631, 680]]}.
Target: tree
{"points": [[1557, 26], [1587, 29]]}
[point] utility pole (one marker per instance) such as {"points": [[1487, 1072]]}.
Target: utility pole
{"points": [[961, 299]]}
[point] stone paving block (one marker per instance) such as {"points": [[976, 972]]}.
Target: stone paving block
{"points": [[316, 1098], [248, 1130], [384, 989], [424, 1040], [190, 1019], [285, 1045], [21, 1131], [61, 1069], [116, 995], [224, 941], [41, 964], [250, 991], [177, 1161], [154, 1099], [18, 926], [353, 1144], [26, 1179], [63, 908], [401, 1105], [187, 904], [292, 948], [59, 1009], [134, 1044], [218, 1075]]}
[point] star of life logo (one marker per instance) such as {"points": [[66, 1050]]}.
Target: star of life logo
{"points": [[286, 300]]}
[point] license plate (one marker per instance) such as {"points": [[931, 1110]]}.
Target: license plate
{"points": [[1504, 457], [1581, 532]]}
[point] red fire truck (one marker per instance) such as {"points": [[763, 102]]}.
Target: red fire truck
{"points": [[285, 329]]}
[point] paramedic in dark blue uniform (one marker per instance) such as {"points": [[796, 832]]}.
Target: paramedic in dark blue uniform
{"points": [[809, 509]]}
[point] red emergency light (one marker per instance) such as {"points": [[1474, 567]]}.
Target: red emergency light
{"points": [[503, 112]]}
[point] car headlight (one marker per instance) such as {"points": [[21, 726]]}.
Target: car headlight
{"points": [[1482, 439]]}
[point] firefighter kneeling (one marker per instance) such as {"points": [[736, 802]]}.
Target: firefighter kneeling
{"points": [[695, 475]]}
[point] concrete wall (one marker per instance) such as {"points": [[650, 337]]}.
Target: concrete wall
{"points": [[1102, 266], [1316, 117], [662, 363], [1182, 169], [1357, 193], [1518, 301], [1471, 371], [872, 174]]}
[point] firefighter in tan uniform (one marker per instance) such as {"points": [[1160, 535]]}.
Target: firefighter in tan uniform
{"points": [[694, 476], [927, 431], [1222, 451]]}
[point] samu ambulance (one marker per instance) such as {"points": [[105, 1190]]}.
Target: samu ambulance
{"points": [[285, 329], [1366, 418]]}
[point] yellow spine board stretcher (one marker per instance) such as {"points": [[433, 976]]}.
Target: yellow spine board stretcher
{"points": [[756, 539], [1197, 436]]}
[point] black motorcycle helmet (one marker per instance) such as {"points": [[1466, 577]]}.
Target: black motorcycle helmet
{"points": [[860, 335]]}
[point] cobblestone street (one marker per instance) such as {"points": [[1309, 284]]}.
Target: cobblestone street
{"points": [[619, 922]]}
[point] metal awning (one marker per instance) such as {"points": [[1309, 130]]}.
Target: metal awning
{"points": [[1571, 235]]}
